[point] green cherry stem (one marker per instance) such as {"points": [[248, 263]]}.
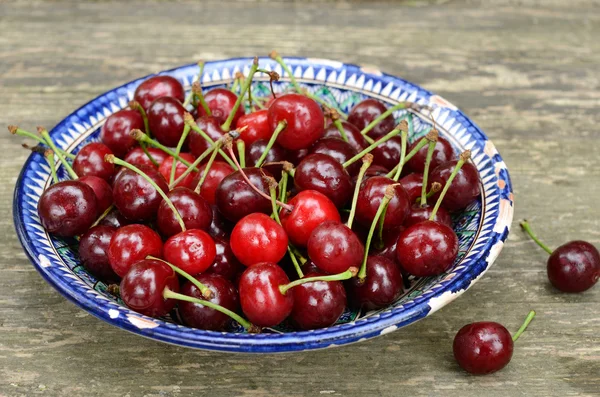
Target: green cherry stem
{"points": [[227, 124], [435, 187], [208, 165], [49, 156], [206, 292], [400, 127], [348, 274], [186, 131], [335, 119], [463, 158], [193, 166], [136, 106], [139, 136], [283, 187], [110, 158], [103, 215], [526, 323], [241, 149], [44, 134], [409, 156], [432, 137], [404, 136], [199, 97], [367, 160], [236, 82], [192, 123], [389, 111], [527, 229], [26, 134], [280, 127]]}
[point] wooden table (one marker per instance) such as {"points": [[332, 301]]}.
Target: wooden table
{"points": [[526, 71]]}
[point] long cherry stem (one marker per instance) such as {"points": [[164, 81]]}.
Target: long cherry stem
{"points": [[283, 187], [190, 120], [528, 320], [227, 124], [208, 165], [348, 274], [527, 229], [241, 149], [463, 158], [26, 134], [138, 135], [109, 158], [384, 115], [433, 138], [136, 106], [49, 156], [44, 134], [199, 96], [404, 137], [186, 131], [367, 160], [204, 290], [280, 127], [335, 119], [401, 127], [409, 156]]}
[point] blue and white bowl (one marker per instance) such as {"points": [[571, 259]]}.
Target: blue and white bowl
{"points": [[482, 228]]}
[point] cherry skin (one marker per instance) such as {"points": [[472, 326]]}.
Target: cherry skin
{"points": [[225, 263], [257, 238], [317, 304], [355, 139], [131, 244], [211, 127], [220, 101], [262, 302], [388, 154], [257, 126], [134, 197], [180, 168], [311, 208], [115, 219], [296, 156], [334, 248], [220, 227], [157, 87], [102, 190], [193, 209], [324, 174], [217, 172], [115, 131], [339, 150], [368, 110], [464, 189], [90, 161], [137, 157], [370, 196], [67, 208], [390, 244], [93, 252], [165, 120], [427, 248], [482, 348], [275, 154], [199, 316], [574, 266], [236, 199], [381, 287], [304, 119], [412, 184], [443, 152], [192, 251], [142, 288], [419, 213]]}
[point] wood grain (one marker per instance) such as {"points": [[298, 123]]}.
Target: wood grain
{"points": [[526, 71]]}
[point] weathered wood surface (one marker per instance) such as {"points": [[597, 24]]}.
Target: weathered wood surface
{"points": [[526, 71]]}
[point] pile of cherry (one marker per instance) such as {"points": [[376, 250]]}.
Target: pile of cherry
{"points": [[293, 210]]}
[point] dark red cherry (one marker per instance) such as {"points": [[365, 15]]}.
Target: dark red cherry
{"points": [[217, 172], [220, 101], [131, 244], [390, 244], [355, 139], [165, 120], [311, 208], [296, 156], [236, 199], [387, 154], [67, 208], [339, 150], [142, 288], [443, 152], [199, 316], [180, 168], [102, 190], [134, 197], [157, 87], [93, 252], [464, 189], [412, 184], [370, 196], [381, 287], [368, 110], [220, 227], [115, 219], [427, 249], [193, 209], [211, 127], [257, 238], [192, 251], [420, 213], [90, 161], [324, 174], [304, 117], [225, 263], [574, 266], [137, 157], [334, 248], [275, 154], [257, 126], [115, 131], [482, 348], [262, 302], [317, 304]]}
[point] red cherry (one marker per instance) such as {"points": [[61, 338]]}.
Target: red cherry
{"points": [[157, 87], [317, 304], [220, 101], [236, 199], [334, 248], [464, 189], [193, 209], [134, 197], [131, 244], [258, 238], [257, 126], [220, 227], [166, 120], [180, 168], [390, 244], [115, 131], [217, 172], [275, 154], [261, 300], [93, 252], [102, 190], [482, 348], [90, 161], [419, 213], [212, 127], [324, 174], [296, 156], [225, 263], [574, 267], [370, 196], [192, 251], [381, 287], [443, 152], [355, 139], [387, 154], [368, 110], [339, 150], [412, 184], [137, 157], [304, 119]]}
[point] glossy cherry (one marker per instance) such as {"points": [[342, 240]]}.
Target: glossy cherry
{"points": [[275, 154], [217, 172], [236, 199], [339, 150], [355, 139], [134, 197], [304, 119], [464, 189], [220, 227], [574, 266], [157, 87], [368, 110], [334, 248], [67, 208], [192, 251], [211, 127], [483, 347], [419, 213], [220, 101], [142, 287], [389, 247], [90, 161], [261, 300], [257, 238], [443, 152], [166, 120], [180, 168], [296, 156], [102, 190], [381, 287], [412, 184], [131, 244], [257, 126], [115, 131], [317, 304], [93, 252], [369, 198], [137, 157], [225, 263], [193, 209], [326, 175], [387, 154]]}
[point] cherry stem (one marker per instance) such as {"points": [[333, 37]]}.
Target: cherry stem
{"points": [[186, 131], [409, 156], [44, 134], [193, 166], [528, 320], [168, 294], [432, 143], [280, 127], [283, 187], [193, 94], [136, 106], [208, 165], [463, 158], [103, 215], [26, 134], [138, 135], [367, 160], [190, 120], [385, 138], [235, 83], [110, 158], [147, 153], [204, 290], [227, 124], [49, 156], [527, 229], [273, 76], [241, 149], [387, 197], [340, 127], [404, 137], [348, 274], [382, 116], [435, 187], [379, 242]]}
